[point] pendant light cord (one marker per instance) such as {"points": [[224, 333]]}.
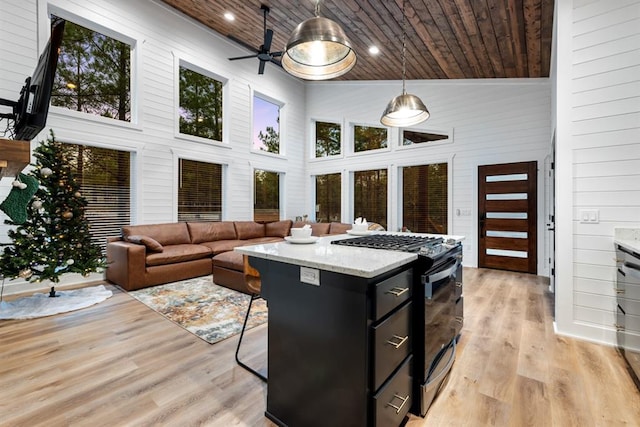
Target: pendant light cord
{"points": [[317, 8], [404, 49]]}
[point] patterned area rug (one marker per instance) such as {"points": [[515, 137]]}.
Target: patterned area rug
{"points": [[203, 308]]}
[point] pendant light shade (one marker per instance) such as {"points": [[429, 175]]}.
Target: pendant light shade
{"points": [[318, 49], [406, 109]]}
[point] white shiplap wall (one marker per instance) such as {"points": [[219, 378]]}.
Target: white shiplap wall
{"points": [[493, 121], [598, 123], [160, 37]]}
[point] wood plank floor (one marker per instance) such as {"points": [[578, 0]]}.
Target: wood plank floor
{"points": [[121, 364]]}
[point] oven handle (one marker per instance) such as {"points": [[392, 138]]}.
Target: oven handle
{"points": [[429, 279]]}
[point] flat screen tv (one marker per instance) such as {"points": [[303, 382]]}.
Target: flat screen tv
{"points": [[31, 109]]}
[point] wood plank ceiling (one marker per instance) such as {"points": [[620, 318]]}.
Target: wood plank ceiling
{"points": [[446, 39]]}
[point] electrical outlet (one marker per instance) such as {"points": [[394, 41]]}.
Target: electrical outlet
{"points": [[310, 276], [589, 216]]}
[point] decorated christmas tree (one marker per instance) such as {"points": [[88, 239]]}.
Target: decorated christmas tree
{"points": [[53, 237]]}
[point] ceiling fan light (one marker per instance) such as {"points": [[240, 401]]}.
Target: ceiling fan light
{"points": [[318, 49], [404, 110]]}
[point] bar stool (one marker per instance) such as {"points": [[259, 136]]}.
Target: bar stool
{"points": [[252, 280]]}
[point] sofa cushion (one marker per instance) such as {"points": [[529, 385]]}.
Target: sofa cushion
{"points": [[248, 230], [222, 245], [339, 228], [147, 241], [165, 234], [278, 228], [259, 240], [211, 231], [178, 253], [231, 260]]}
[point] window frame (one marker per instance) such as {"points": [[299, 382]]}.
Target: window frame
{"points": [[313, 139], [180, 60], [352, 140], [281, 190], [224, 161], [352, 191], [448, 132], [281, 112], [399, 187], [45, 10]]}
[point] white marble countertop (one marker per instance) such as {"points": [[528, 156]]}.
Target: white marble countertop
{"points": [[628, 238], [362, 262]]}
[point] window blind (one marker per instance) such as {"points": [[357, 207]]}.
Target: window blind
{"points": [[328, 197], [199, 191], [370, 195], [425, 198]]}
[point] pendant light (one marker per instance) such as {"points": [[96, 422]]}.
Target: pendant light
{"points": [[318, 49], [405, 109]]}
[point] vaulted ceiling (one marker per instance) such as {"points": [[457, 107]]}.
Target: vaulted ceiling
{"points": [[446, 39]]}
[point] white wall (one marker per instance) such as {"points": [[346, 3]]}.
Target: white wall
{"points": [[493, 121], [598, 140], [159, 36]]}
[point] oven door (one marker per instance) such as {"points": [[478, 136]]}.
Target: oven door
{"points": [[441, 291]]}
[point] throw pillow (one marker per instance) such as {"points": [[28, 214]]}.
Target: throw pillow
{"points": [[150, 243]]}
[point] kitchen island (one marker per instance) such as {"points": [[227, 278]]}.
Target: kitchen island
{"points": [[340, 332]]}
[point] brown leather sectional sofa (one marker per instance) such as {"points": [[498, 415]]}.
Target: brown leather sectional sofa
{"points": [[148, 255]]}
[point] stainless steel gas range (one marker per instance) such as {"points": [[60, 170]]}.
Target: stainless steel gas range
{"points": [[437, 291]]}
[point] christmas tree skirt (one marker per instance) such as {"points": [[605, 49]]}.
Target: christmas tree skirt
{"points": [[40, 305]]}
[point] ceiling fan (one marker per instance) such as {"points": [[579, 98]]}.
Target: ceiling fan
{"points": [[263, 53]]}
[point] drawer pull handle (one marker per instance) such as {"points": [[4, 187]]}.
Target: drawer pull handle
{"points": [[619, 328], [460, 320], [458, 284], [397, 291], [396, 407], [619, 291], [398, 344]]}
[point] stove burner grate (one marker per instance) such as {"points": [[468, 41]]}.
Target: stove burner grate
{"points": [[391, 242]]}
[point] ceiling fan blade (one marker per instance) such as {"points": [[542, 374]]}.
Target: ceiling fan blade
{"points": [[275, 61], [244, 57], [268, 37], [261, 67]]}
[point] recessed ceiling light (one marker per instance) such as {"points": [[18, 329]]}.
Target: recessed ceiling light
{"points": [[229, 16], [374, 50]]}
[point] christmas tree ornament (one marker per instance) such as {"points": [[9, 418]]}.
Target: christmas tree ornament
{"points": [[37, 204], [26, 273], [67, 215], [15, 205], [77, 194], [70, 261], [45, 172]]}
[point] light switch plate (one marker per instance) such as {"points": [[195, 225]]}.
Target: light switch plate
{"points": [[589, 216]]}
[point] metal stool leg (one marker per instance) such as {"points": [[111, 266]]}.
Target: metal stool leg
{"points": [[246, 318]]}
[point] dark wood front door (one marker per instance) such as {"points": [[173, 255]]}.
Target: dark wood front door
{"points": [[507, 216]]}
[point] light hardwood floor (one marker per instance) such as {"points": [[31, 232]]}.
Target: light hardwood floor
{"points": [[121, 364]]}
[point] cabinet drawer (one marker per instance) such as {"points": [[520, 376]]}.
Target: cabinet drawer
{"points": [[392, 344], [392, 292], [393, 401]]}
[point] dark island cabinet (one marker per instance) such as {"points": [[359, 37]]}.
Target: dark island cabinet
{"points": [[628, 309], [339, 347]]}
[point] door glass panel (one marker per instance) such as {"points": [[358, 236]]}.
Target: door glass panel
{"points": [[506, 215], [507, 196], [502, 252], [510, 177], [508, 234]]}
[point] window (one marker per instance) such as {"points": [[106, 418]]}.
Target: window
{"points": [[425, 198], [411, 137], [104, 177], [328, 196], [200, 110], [199, 191], [367, 138], [327, 139], [93, 74], [370, 195], [266, 125], [266, 205]]}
